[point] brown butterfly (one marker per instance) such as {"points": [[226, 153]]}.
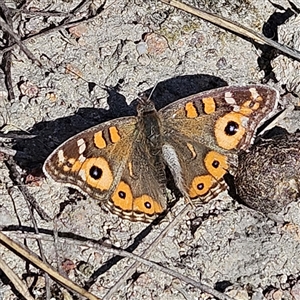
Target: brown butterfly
{"points": [[122, 162]]}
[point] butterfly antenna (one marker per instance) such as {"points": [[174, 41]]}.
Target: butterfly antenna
{"points": [[146, 100], [151, 93]]}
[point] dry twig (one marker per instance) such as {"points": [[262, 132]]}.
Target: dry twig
{"points": [[141, 260], [33, 258], [16, 281], [102, 246], [7, 27], [16, 178], [57, 28], [233, 26]]}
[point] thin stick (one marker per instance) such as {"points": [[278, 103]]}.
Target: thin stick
{"points": [[7, 57], [16, 281], [138, 259], [57, 28], [33, 258], [233, 26], [152, 264], [16, 178], [8, 151], [18, 41], [141, 259], [131, 269]]}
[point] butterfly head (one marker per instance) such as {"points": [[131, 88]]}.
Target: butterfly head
{"points": [[145, 106]]}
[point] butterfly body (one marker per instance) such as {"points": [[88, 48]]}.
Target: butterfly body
{"points": [[122, 162]]}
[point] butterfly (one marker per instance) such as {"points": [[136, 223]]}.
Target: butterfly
{"points": [[122, 162]]}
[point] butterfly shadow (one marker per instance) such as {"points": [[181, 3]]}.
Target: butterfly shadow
{"points": [[270, 30], [32, 152]]}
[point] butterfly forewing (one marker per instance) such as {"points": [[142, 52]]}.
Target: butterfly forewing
{"points": [[94, 159]]}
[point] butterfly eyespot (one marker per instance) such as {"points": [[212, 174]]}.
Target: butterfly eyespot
{"points": [[147, 205], [215, 164], [95, 172], [69, 165], [122, 194], [231, 128], [200, 186], [122, 197]]}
